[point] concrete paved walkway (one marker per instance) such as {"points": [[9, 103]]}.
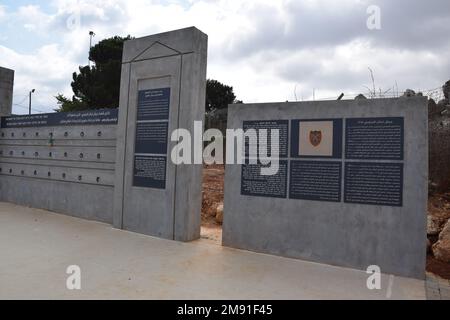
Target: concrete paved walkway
{"points": [[37, 246], [437, 288]]}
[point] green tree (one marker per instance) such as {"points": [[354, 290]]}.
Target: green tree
{"points": [[97, 87], [218, 95]]}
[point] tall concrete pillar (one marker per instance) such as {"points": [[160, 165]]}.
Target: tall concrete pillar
{"points": [[163, 88], [6, 91]]}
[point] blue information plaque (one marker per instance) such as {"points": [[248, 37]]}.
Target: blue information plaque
{"points": [[151, 140], [153, 104], [374, 183], [315, 180], [79, 118], [150, 172], [374, 139], [253, 183], [283, 129]]}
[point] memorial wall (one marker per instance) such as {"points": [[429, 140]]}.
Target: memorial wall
{"points": [[351, 188], [63, 162], [114, 165]]}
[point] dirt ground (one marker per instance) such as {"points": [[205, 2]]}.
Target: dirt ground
{"points": [[437, 267], [212, 196], [213, 193]]}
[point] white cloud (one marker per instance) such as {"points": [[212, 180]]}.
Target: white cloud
{"points": [[48, 71], [264, 48], [33, 18]]}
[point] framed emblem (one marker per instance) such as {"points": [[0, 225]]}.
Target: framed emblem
{"points": [[315, 137]]}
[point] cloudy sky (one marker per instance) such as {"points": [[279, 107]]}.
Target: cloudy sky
{"points": [[268, 50]]}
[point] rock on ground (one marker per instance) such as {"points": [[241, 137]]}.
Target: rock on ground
{"points": [[434, 225], [219, 213], [213, 193], [441, 249]]}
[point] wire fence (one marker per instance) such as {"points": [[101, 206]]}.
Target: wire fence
{"points": [[28, 108], [22, 106], [436, 94]]}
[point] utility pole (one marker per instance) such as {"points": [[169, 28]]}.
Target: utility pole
{"points": [[29, 104], [91, 35]]}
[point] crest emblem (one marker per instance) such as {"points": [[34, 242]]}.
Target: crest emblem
{"points": [[315, 137]]}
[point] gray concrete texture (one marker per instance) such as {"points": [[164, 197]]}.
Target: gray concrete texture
{"points": [[6, 91], [437, 288], [37, 247], [350, 235], [177, 60], [73, 176]]}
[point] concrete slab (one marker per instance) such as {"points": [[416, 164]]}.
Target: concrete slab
{"points": [[37, 247], [344, 233], [6, 91], [175, 63]]}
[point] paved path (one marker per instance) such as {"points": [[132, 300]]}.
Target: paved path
{"points": [[437, 288], [37, 246]]}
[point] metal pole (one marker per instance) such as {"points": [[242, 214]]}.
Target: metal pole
{"points": [[90, 46], [91, 34], [29, 104]]}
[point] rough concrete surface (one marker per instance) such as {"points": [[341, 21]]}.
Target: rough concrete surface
{"points": [[6, 91], [344, 234], [73, 175], [437, 288], [37, 247], [175, 60]]}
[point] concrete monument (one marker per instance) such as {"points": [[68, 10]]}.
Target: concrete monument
{"points": [[163, 88], [351, 189]]}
